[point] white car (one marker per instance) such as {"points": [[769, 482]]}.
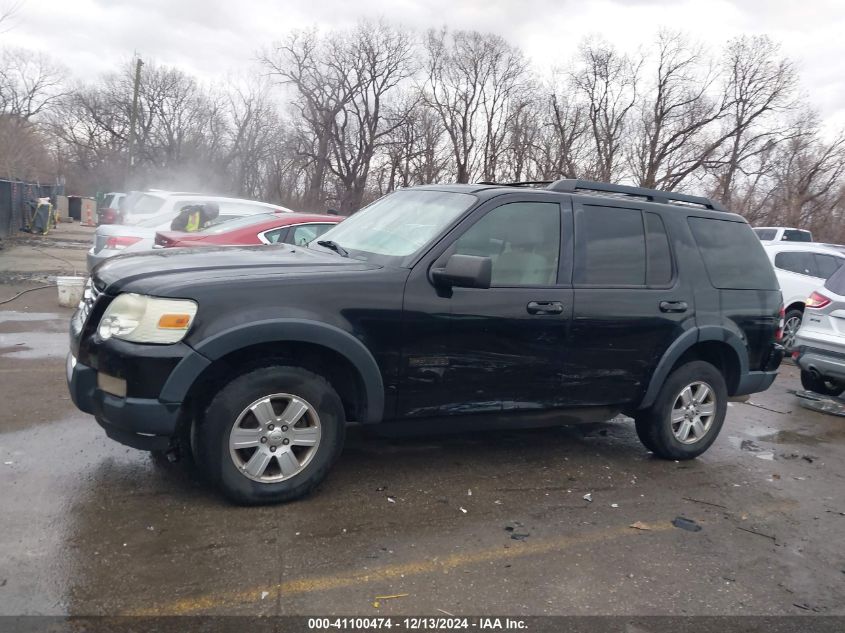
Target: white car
{"points": [[800, 268], [154, 211], [782, 234]]}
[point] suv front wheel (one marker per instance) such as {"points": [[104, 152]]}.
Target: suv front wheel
{"points": [[687, 414], [271, 435]]}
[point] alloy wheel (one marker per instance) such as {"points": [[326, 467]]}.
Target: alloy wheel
{"points": [[693, 412], [275, 438]]}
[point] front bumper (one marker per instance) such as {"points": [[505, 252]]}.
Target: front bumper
{"points": [[143, 423]]}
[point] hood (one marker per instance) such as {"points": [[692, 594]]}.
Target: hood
{"points": [[185, 266]]}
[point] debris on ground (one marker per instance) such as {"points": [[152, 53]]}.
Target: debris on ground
{"points": [[614, 505], [588, 497], [391, 499], [748, 445], [686, 524], [378, 599], [264, 594], [822, 404], [469, 492], [760, 406], [768, 455], [768, 536], [462, 509], [381, 488], [516, 536], [451, 615], [639, 525], [707, 503]]}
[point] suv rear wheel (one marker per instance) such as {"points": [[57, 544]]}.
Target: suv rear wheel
{"points": [[271, 435], [687, 414], [811, 382]]}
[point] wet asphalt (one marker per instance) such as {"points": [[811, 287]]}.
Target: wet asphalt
{"points": [[476, 523]]}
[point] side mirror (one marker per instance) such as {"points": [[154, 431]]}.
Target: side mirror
{"points": [[464, 271]]}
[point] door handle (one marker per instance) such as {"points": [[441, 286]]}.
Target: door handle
{"points": [[544, 307], [673, 306]]}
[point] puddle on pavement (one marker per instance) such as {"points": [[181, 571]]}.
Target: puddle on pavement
{"points": [[790, 437], [12, 315], [34, 345]]}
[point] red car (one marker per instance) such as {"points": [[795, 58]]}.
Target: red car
{"points": [[265, 228]]}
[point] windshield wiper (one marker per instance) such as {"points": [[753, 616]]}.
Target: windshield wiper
{"points": [[337, 248]]}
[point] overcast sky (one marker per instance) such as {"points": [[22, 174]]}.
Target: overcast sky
{"points": [[214, 37]]}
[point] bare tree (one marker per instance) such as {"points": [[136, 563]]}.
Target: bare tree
{"points": [[671, 140], [317, 69], [382, 59], [563, 141], [30, 82], [470, 78], [607, 81], [760, 87]]}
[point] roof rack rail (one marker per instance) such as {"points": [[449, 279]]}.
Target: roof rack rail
{"points": [[521, 183], [572, 185]]}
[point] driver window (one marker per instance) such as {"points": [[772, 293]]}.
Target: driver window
{"points": [[522, 239]]}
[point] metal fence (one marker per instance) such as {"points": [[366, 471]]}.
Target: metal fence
{"points": [[14, 198]]}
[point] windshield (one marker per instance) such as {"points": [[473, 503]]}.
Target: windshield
{"points": [[399, 224], [797, 235]]}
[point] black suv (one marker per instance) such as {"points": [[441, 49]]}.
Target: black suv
{"points": [[569, 300]]}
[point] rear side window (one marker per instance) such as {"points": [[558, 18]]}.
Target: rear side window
{"points": [[766, 234], [837, 282], [610, 246], [799, 262], [733, 256], [827, 264]]}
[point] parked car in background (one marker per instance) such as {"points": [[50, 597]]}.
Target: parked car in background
{"points": [[116, 239], [820, 343], [800, 269], [265, 228], [782, 234], [109, 210]]}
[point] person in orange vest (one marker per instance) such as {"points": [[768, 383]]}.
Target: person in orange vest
{"points": [[195, 217]]}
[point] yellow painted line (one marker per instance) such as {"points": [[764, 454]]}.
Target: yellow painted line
{"points": [[416, 568]]}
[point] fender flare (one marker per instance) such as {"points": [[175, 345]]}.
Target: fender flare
{"points": [[685, 342], [278, 330]]}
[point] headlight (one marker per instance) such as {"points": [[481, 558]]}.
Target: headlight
{"points": [[142, 319]]}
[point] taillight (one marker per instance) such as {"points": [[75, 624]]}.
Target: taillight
{"points": [[120, 242], [781, 322], [817, 300]]}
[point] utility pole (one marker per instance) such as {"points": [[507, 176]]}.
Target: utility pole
{"points": [[133, 117]]}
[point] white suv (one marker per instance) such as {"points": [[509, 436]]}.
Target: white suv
{"points": [[800, 268]]}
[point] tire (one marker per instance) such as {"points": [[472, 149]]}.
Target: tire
{"points": [[303, 451], [665, 438], [790, 328], [820, 385]]}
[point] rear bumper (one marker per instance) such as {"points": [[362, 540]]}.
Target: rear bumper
{"points": [[756, 381], [826, 363], [92, 258], [141, 423]]}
